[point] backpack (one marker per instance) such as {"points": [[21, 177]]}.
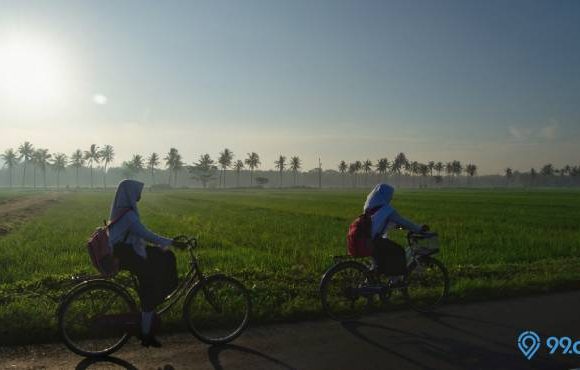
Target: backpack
{"points": [[359, 239], [100, 252]]}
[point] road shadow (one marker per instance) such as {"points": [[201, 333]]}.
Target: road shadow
{"points": [[214, 353], [88, 362], [435, 352]]}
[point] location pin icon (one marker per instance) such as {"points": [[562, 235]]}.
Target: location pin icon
{"points": [[529, 343]]}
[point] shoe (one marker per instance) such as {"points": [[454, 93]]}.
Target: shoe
{"points": [[149, 340]]}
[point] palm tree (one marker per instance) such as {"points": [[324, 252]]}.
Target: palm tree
{"points": [[547, 170], [77, 161], [439, 167], [35, 161], [59, 163], [204, 170], [134, 166], [471, 170], [399, 163], [295, 165], [174, 163], [457, 168], [431, 166], [413, 169], [26, 151], [42, 160], [352, 172], [449, 171], [357, 168], [238, 166], [92, 156], [253, 161], [225, 161], [508, 175], [382, 167], [342, 168], [152, 162], [107, 154], [280, 164], [367, 167], [10, 159]]}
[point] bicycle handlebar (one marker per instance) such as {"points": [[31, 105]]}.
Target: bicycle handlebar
{"points": [[184, 242]]}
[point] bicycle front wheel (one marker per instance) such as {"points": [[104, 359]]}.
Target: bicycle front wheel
{"points": [[93, 318], [427, 284], [341, 291], [217, 309]]}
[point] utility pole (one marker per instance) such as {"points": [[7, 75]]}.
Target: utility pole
{"points": [[319, 174]]}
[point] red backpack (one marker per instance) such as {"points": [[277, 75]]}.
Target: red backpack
{"points": [[100, 251], [359, 239]]}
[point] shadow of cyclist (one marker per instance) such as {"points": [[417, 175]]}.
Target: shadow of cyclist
{"points": [[88, 362], [215, 351], [448, 350]]}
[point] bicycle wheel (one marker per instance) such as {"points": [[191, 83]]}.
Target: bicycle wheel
{"points": [[340, 291], [217, 309], [426, 284], [93, 318]]}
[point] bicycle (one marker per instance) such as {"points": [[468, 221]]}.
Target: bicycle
{"points": [[98, 316], [348, 288]]}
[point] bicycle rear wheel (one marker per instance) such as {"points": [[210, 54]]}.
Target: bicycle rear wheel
{"points": [[94, 317], [217, 309], [340, 291], [426, 284]]}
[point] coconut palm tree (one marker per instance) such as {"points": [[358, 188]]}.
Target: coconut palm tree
{"points": [[77, 160], [457, 168], [280, 164], [204, 170], [238, 166], [134, 166], [92, 156], [152, 163], [449, 171], [342, 168], [398, 164], [367, 167], [35, 161], [509, 173], [253, 161], [174, 163], [431, 166], [59, 163], [471, 170], [547, 170], [295, 165], [26, 151], [382, 167], [42, 160], [352, 172], [106, 154], [439, 167], [225, 161], [11, 160]]}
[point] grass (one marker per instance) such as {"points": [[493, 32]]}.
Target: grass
{"points": [[279, 242]]}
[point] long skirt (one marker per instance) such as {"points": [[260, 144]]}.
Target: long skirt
{"points": [[156, 274]]}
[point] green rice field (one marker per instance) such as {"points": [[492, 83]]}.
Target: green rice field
{"points": [[495, 243]]}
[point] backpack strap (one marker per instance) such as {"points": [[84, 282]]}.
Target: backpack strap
{"points": [[125, 211]]}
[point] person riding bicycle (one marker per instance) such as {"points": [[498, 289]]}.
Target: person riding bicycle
{"points": [[153, 266], [389, 257]]}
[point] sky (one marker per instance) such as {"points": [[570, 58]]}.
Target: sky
{"points": [[495, 83]]}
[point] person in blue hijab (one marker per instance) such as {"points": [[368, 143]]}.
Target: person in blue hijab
{"points": [[128, 238], [389, 257]]}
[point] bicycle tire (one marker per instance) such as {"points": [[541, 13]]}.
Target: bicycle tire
{"points": [[435, 278], [337, 308], [120, 300], [213, 305]]}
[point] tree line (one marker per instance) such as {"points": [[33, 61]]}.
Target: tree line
{"points": [[206, 170]]}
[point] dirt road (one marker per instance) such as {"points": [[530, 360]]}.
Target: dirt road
{"points": [[473, 336]]}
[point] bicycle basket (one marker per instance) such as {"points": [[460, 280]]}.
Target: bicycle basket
{"points": [[425, 246]]}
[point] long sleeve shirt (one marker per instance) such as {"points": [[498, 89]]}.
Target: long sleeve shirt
{"points": [[131, 228]]}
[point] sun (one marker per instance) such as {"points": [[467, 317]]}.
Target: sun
{"points": [[32, 72]]}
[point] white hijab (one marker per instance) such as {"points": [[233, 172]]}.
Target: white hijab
{"points": [[380, 196]]}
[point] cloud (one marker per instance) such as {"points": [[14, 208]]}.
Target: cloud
{"points": [[100, 99], [545, 133]]}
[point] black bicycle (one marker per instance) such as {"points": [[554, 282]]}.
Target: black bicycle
{"points": [[97, 316], [348, 288]]}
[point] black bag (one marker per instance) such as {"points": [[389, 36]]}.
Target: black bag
{"points": [[390, 257]]}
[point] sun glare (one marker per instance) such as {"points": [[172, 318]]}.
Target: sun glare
{"points": [[32, 73]]}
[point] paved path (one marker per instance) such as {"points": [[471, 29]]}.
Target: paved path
{"points": [[472, 336]]}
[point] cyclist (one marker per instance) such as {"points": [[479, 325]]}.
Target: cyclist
{"points": [[389, 257], [153, 266]]}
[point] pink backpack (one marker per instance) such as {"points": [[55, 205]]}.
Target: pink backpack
{"points": [[358, 239], [100, 251]]}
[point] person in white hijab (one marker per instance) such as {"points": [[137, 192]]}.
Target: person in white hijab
{"points": [[127, 238], [385, 217]]}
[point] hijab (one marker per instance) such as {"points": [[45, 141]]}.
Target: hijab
{"points": [[127, 196], [380, 196]]}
